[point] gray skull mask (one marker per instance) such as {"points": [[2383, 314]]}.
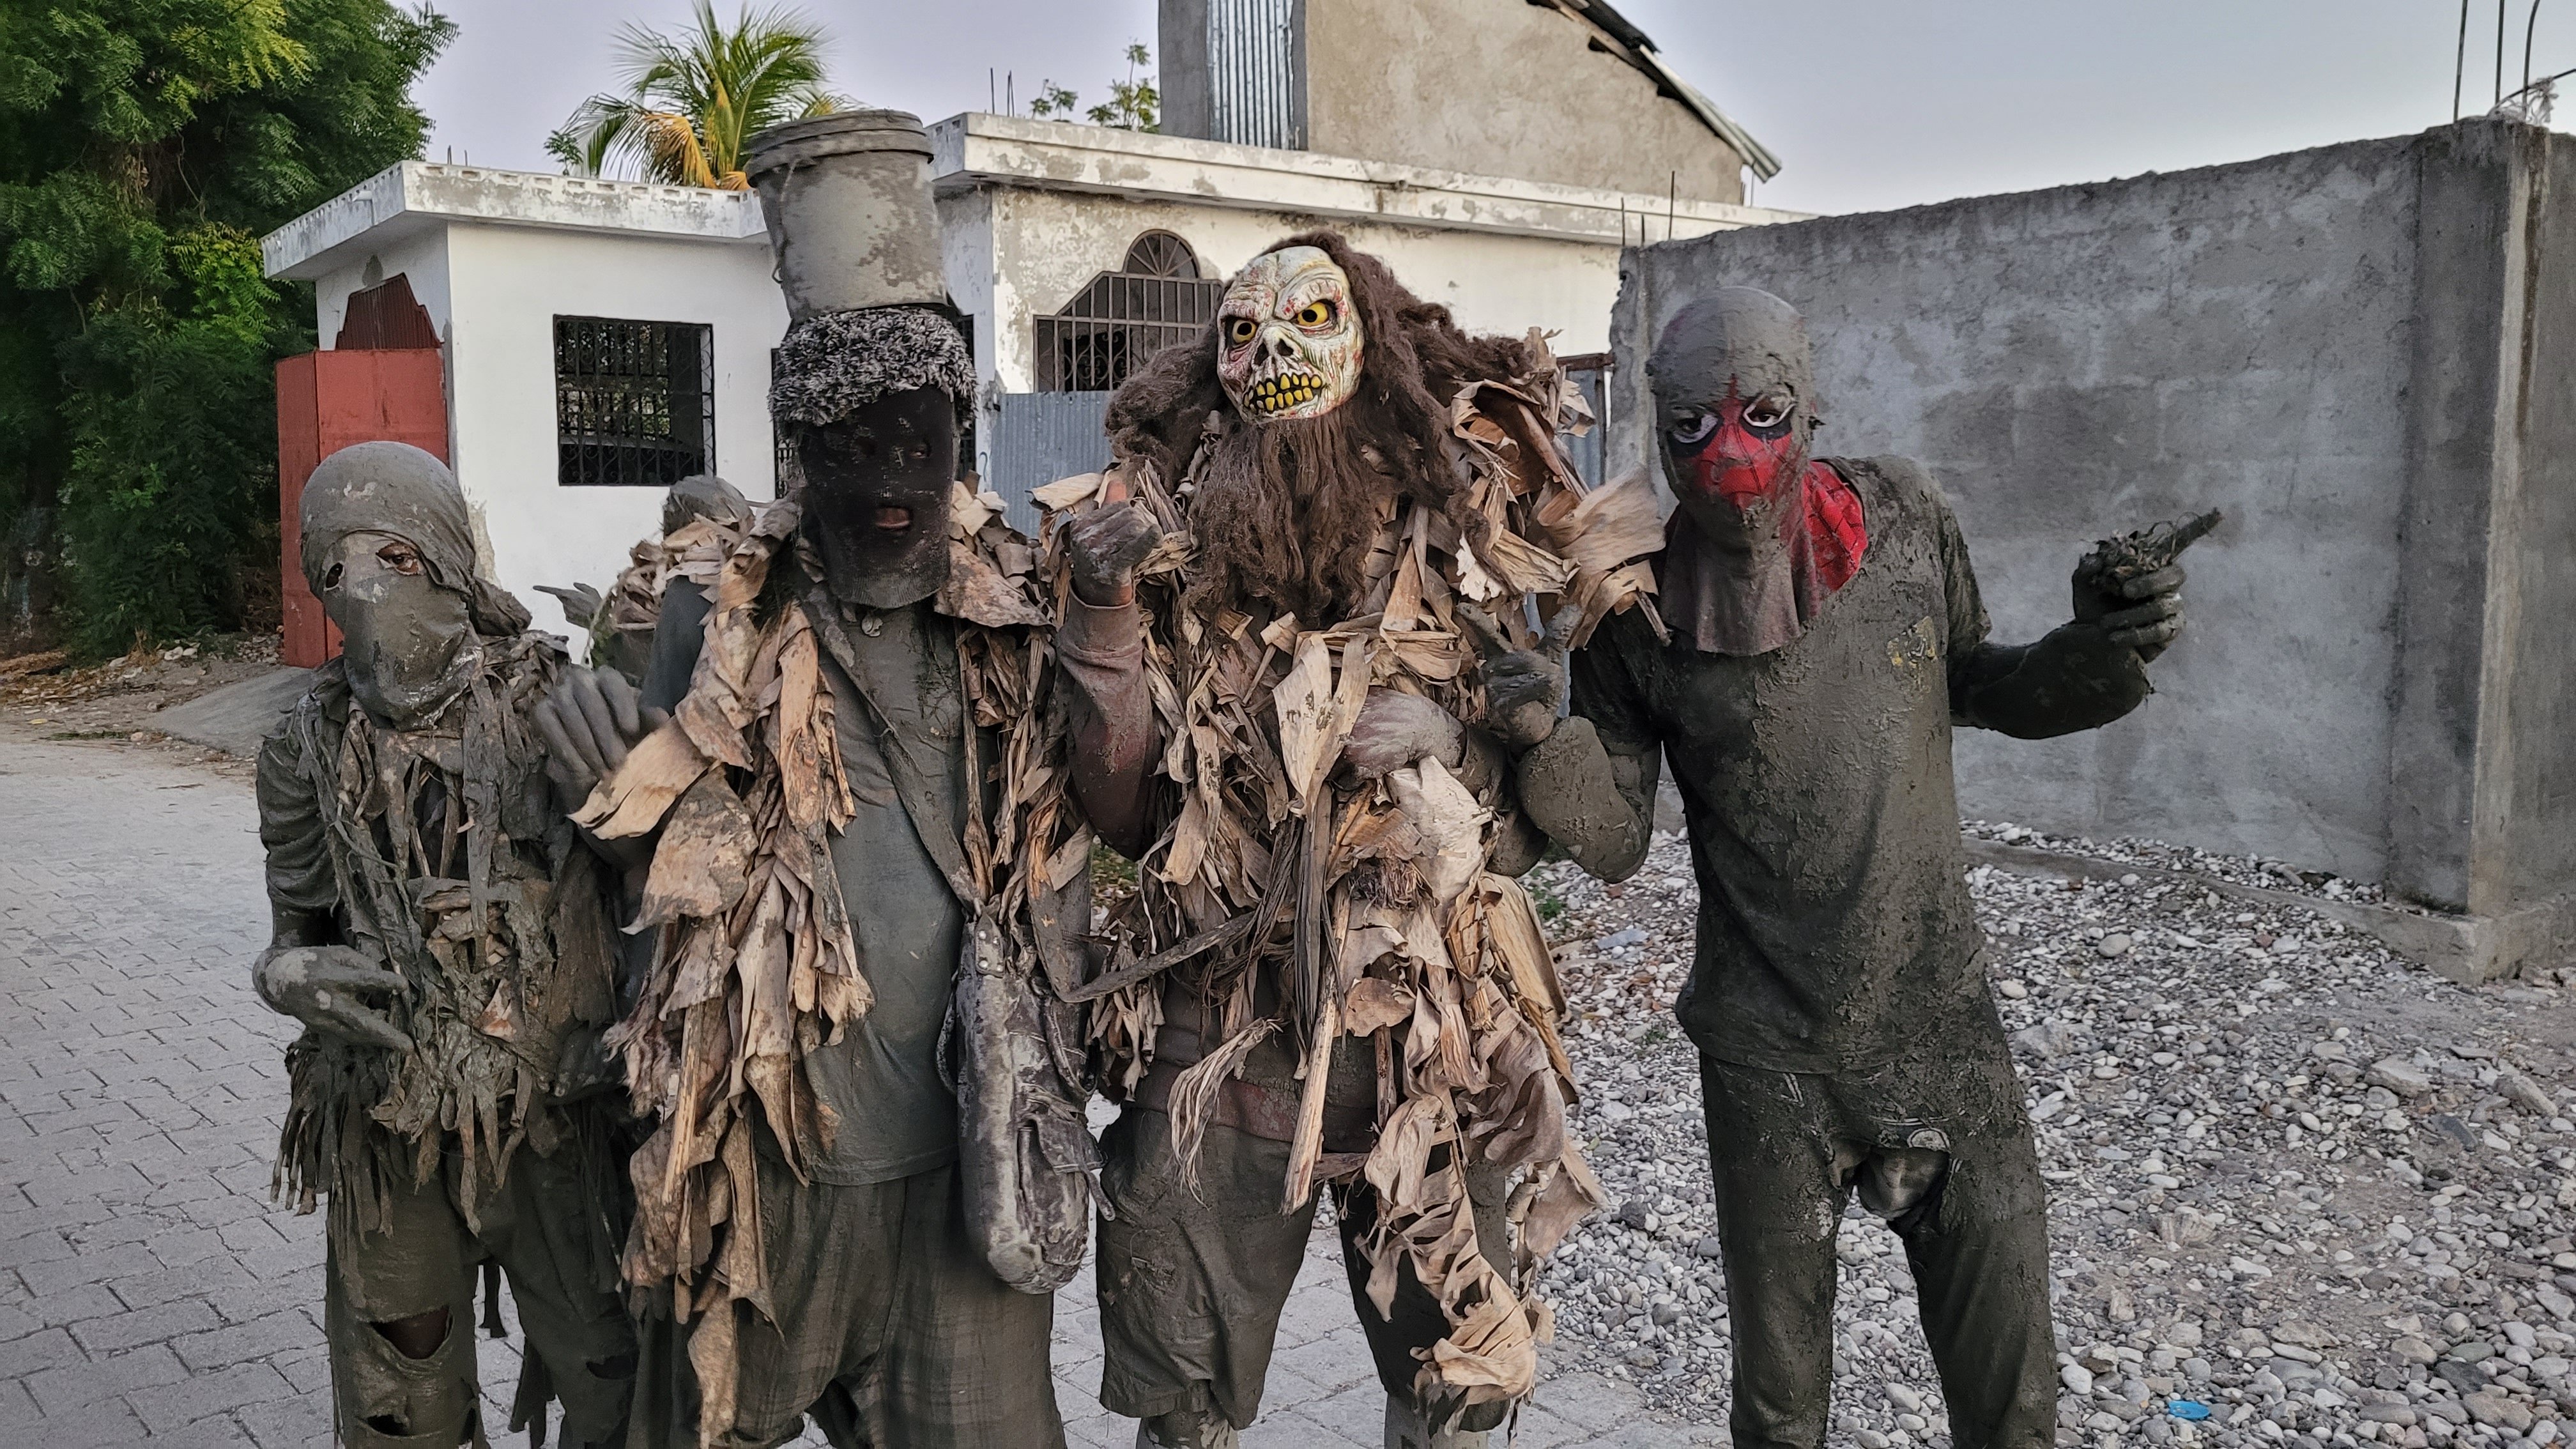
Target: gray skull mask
{"points": [[387, 549]]}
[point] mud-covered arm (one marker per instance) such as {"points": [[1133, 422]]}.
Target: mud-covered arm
{"points": [[308, 971], [1111, 712], [1590, 784], [2073, 678], [303, 895]]}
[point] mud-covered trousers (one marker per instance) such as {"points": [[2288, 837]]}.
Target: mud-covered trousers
{"points": [[1192, 1278], [1940, 1148], [547, 1229], [892, 1332]]}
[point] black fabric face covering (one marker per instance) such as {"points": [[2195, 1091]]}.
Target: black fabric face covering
{"points": [[876, 497]]}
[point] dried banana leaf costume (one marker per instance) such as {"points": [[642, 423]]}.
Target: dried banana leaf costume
{"points": [[840, 786], [1329, 980], [435, 849]]}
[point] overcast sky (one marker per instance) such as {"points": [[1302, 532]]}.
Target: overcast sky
{"points": [[1870, 103]]}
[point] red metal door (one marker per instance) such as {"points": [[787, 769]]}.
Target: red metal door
{"points": [[325, 402]]}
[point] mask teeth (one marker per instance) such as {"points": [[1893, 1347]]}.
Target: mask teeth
{"points": [[1279, 394]]}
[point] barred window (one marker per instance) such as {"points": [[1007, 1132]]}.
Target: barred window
{"points": [[1121, 318], [635, 402]]}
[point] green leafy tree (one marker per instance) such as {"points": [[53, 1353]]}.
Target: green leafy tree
{"points": [[1054, 100], [1133, 104], [692, 100], [144, 147]]}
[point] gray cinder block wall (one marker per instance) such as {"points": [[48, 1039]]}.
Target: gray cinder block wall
{"points": [[2367, 355]]}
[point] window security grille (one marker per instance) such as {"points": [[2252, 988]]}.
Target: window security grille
{"points": [[1122, 318], [635, 402]]}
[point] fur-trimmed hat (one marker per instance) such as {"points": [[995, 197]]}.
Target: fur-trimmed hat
{"points": [[833, 365]]}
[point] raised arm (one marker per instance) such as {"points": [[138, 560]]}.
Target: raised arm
{"points": [[2079, 676], [1101, 644]]}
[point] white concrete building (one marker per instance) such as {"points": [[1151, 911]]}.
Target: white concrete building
{"points": [[603, 333], [514, 272]]}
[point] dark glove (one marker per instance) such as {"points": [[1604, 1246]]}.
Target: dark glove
{"points": [[326, 987], [2143, 612], [1105, 546], [589, 721], [1524, 688]]}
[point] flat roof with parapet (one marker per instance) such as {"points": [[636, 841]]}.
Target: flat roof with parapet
{"points": [[978, 148]]}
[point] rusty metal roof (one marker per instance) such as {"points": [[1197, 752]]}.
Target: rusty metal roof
{"points": [[1615, 34]]}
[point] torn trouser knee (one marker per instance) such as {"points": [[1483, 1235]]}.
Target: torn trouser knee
{"points": [[415, 1259]]}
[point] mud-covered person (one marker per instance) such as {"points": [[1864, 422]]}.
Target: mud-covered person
{"points": [[1827, 636], [446, 942], [1314, 409], [884, 1321], [620, 626]]}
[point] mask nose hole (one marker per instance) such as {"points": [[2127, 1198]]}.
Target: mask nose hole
{"points": [[331, 577]]}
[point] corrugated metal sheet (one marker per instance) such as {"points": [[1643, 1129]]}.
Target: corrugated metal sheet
{"points": [[1590, 373], [1256, 91], [1039, 437]]}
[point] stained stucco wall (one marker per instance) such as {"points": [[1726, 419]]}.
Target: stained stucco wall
{"points": [[1047, 245], [1499, 88]]}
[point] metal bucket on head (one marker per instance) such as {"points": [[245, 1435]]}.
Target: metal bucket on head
{"points": [[851, 221]]}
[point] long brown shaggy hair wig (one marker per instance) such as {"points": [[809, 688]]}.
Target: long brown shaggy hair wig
{"points": [[1283, 512]]}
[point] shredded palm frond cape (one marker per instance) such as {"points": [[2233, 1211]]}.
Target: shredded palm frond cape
{"points": [[756, 968], [1372, 900]]}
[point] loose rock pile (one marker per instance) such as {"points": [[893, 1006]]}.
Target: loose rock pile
{"points": [[2302, 1192]]}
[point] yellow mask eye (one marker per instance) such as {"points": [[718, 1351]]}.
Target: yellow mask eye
{"points": [[1315, 314], [1239, 330]]}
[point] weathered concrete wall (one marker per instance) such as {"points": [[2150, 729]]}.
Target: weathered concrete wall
{"points": [[2364, 354], [1500, 88], [1490, 87]]}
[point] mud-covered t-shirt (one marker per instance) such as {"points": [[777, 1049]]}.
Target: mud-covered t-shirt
{"points": [[1834, 917], [896, 1116]]}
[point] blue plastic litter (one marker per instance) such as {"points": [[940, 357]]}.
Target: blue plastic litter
{"points": [[2192, 1409]]}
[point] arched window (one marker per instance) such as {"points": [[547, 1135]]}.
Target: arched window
{"points": [[1106, 331], [1161, 254]]}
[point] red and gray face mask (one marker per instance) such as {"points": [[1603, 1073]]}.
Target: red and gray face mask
{"points": [[1764, 533]]}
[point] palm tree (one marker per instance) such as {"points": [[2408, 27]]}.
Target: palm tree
{"points": [[693, 99]]}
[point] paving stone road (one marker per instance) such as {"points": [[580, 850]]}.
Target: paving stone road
{"points": [[150, 1294]]}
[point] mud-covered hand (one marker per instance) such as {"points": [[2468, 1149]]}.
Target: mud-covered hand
{"points": [[1524, 688], [328, 988], [1105, 546], [2142, 612], [589, 721], [1396, 729]]}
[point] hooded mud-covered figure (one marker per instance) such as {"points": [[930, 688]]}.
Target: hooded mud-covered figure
{"points": [[447, 945], [1826, 637], [868, 1169], [620, 626], [1327, 976]]}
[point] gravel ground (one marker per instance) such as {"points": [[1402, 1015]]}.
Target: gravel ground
{"points": [[2302, 1191]]}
